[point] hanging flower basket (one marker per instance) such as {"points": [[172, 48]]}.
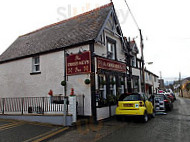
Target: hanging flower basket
{"points": [[87, 81], [122, 82], [103, 82], [113, 82], [63, 83]]}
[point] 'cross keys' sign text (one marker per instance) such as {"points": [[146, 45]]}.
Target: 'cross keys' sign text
{"points": [[78, 63]]}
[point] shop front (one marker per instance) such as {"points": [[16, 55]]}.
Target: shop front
{"points": [[110, 84]]}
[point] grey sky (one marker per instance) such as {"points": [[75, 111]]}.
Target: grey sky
{"points": [[165, 25]]}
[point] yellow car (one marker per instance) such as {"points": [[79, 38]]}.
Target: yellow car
{"points": [[134, 104]]}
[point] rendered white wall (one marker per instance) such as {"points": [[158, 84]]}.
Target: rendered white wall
{"points": [[80, 88], [102, 113], [16, 81]]}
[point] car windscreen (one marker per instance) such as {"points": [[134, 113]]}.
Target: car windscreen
{"points": [[131, 97]]}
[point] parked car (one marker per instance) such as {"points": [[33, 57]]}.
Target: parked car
{"points": [[159, 104], [135, 104], [168, 105], [169, 96], [173, 96]]}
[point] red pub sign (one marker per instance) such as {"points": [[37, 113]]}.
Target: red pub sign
{"points": [[111, 65], [78, 63]]}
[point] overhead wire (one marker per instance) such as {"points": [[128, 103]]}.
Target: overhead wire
{"points": [[132, 14]]}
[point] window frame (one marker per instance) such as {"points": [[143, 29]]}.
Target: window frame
{"points": [[134, 61], [112, 42], [34, 64], [112, 87], [102, 88]]}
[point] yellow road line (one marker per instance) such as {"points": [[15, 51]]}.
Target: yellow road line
{"points": [[51, 135], [46, 135], [4, 125], [12, 125], [29, 122], [7, 120]]}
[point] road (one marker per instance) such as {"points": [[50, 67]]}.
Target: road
{"points": [[22, 131], [173, 127]]}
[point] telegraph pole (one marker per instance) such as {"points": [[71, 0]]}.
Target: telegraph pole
{"points": [[142, 58]]}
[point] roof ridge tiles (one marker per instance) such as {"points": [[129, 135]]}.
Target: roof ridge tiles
{"points": [[63, 21]]}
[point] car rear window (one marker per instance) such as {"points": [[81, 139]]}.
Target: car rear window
{"points": [[131, 97], [161, 96]]}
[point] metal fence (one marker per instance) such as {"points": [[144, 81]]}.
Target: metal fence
{"points": [[27, 105]]}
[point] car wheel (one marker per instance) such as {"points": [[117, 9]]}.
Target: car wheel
{"points": [[145, 117], [153, 114]]}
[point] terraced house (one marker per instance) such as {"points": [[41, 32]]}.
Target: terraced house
{"points": [[86, 52]]}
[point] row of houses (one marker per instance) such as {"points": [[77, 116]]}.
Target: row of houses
{"points": [[88, 53]]}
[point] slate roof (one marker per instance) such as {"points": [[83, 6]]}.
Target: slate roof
{"points": [[79, 29]]}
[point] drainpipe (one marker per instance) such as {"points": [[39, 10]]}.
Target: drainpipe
{"points": [[65, 75]]}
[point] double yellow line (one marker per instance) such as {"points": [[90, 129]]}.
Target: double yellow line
{"points": [[10, 125], [46, 135]]}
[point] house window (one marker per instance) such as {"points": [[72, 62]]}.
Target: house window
{"points": [[150, 77], [155, 79], [36, 64], [135, 84], [147, 76], [111, 49], [133, 61]]}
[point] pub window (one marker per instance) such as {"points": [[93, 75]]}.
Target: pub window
{"points": [[101, 98], [36, 64], [102, 86], [101, 93], [121, 85], [112, 85], [111, 49]]}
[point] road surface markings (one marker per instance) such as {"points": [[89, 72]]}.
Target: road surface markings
{"points": [[28, 122], [46, 135], [9, 126]]}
